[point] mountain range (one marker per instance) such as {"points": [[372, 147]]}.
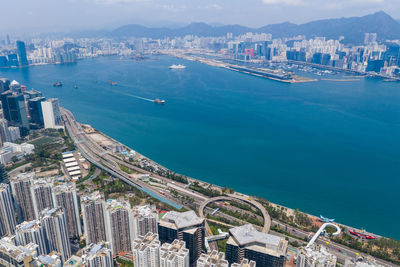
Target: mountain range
{"points": [[352, 29]]}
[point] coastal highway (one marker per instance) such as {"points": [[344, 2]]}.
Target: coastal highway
{"points": [[97, 155]]}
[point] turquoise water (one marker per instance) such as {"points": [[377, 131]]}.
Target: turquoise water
{"points": [[329, 148]]}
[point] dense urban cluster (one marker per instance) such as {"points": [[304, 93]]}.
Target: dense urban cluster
{"points": [[372, 57], [48, 221]]}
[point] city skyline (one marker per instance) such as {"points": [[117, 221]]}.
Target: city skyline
{"points": [[45, 16]]}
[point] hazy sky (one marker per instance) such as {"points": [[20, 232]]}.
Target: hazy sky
{"points": [[65, 15]]}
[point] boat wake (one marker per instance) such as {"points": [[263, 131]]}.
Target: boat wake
{"points": [[139, 97]]}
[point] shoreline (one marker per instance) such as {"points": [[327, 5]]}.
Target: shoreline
{"points": [[290, 210]]}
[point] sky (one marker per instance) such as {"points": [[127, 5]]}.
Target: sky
{"points": [[27, 16]]}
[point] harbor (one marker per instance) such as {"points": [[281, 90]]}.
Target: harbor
{"points": [[271, 74]]}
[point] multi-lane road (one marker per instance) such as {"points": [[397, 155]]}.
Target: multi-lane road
{"points": [[100, 157]]}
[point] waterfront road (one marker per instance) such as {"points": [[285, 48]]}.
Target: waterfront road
{"points": [[267, 218], [101, 158]]}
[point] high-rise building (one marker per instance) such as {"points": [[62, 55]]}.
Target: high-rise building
{"points": [[31, 232], [13, 256], [14, 110], [4, 132], [7, 215], [54, 223], [64, 196], [146, 251], [23, 200], [16, 87], [15, 133], [3, 174], [174, 255], [98, 255], [42, 194], [315, 256], [265, 249], [213, 259], [185, 226], [35, 111], [4, 85], [145, 220], [244, 263], [119, 226], [51, 113], [12, 60], [51, 260], [92, 207], [23, 60]]}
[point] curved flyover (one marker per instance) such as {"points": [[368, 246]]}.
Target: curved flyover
{"points": [[267, 218]]}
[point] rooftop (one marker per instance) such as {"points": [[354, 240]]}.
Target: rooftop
{"points": [[248, 236], [182, 219], [28, 226]]}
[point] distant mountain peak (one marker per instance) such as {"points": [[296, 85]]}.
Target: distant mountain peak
{"points": [[353, 29]]}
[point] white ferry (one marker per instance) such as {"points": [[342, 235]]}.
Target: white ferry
{"points": [[177, 66]]}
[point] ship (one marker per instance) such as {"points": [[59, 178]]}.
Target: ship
{"points": [[58, 84], [179, 66], [159, 101], [362, 234], [113, 83]]}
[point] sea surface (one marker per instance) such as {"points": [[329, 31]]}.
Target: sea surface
{"points": [[330, 148]]}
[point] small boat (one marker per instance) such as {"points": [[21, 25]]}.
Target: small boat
{"points": [[58, 84], [179, 66], [113, 83], [75, 86], [159, 101]]}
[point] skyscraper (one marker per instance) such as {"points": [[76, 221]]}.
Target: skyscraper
{"points": [[23, 60], [21, 190], [92, 207], [3, 174], [145, 220], [4, 85], [54, 223], [17, 255], [14, 110], [31, 232], [98, 255], [146, 251], [7, 215], [265, 249], [35, 111], [185, 226], [51, 113], [119, 226], [42, 194], [64, 196]]}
